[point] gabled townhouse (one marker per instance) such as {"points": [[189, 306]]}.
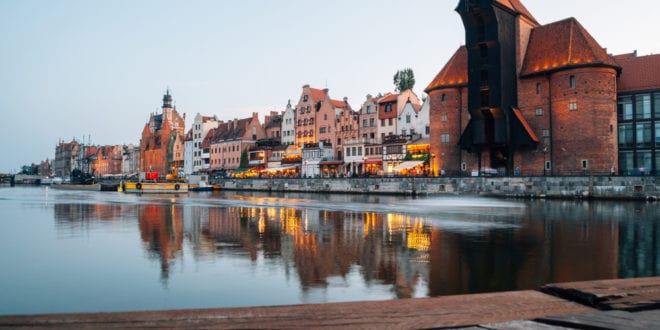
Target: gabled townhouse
{"points": [[66, 158], [346, 126], [130, 160], [201, 126], [390, 107], [273, 126], [105, 160], [309, 128], [369, 121], [161, 145], [188, 153], [414, 120], [226, 142], [289, 125]]}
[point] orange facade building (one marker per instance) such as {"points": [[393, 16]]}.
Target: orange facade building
{"points": [[161, 146]]}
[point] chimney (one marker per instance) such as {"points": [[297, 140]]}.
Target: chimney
{"points": [[306, 86], [635, 54]]}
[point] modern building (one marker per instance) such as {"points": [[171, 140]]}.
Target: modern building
{"points": [[638, 114], [161, 146], [188, 148], [524, 98]]}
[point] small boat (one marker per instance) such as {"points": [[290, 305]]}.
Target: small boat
{"points": [[148, 183], [73, 186], [201, 183]]}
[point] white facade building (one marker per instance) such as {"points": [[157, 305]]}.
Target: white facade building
{"points": [[288, 125], [201, 126], [414, 120]]}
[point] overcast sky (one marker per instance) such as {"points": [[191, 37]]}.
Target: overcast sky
{"points": [[74, 68]]}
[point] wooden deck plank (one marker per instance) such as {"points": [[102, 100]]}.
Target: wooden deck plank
{"points": [[522, 325], [608, 320], [451, 311], [621, 294]]}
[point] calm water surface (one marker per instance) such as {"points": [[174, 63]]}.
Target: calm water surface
{"points": [[64, 251]]}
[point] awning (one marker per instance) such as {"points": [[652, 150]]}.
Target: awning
{"points": [[373, 162], [331, 162], [280, 168], [408, 165]]}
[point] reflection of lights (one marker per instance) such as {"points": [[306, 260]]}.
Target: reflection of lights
{"points": [[262, 225]]}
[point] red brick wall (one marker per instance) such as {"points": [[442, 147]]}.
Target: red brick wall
{"points": [[590, 132], [448, 156]]}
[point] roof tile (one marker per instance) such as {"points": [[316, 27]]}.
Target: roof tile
{"points": [[638, 73], [454, 73]]}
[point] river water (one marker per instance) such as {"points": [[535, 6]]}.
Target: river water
{"points": [[64, 251]]}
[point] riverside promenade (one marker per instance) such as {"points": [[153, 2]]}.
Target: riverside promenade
{"points": [[604, 304], [572, 187]]}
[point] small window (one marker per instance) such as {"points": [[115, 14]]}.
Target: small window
{"points": [[548, 165], [304, 98], [443, 97], [407, 119], [572, 106], [538, 89], [545, 132], [444, 138], [463, 166], [571, 81], [584, 164], [539, 111]]}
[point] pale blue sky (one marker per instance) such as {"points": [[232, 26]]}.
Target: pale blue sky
{"points": [[70, 68]]}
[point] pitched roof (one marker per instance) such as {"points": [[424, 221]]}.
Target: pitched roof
{"points": [[338, 104], [517, 7], [389, 97], [453, 74], [562, 45], [317, 94], [638, 73]]}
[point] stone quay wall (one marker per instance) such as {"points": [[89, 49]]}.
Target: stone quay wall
{"points": [[582, 187]]}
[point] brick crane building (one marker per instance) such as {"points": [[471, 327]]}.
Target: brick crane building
{"points": [[521, 97]]}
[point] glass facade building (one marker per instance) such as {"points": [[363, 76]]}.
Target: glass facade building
{"points": [[639, 133]]}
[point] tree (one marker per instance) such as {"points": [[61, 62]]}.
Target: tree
{"points": [[245, 161], [404, 79]]}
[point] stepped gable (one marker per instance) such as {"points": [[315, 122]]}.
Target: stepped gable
{"points": [[638, 73], [517, 7], [453, 74], [563, 45]]}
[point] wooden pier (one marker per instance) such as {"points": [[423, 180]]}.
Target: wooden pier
{"points": [[608, 304]]}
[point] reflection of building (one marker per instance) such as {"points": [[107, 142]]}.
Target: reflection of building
{"points": [[161, 228]]}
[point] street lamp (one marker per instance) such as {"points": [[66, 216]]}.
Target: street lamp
{"points": [[432, 164]]}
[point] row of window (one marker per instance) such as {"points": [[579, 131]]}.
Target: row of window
{"points": [[638, 162], [639, 107], [638, 135]]}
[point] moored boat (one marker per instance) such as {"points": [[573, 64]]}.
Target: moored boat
{"points": [[153, 187]]}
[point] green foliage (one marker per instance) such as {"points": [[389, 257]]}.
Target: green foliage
{"points": [[245, 161], [30, 169], [404, 79]]}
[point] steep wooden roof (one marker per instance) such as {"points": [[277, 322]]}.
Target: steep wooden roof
{"points": [[562, 45], [638, 73], [453, 74]]}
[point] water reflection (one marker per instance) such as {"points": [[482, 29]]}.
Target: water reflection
{"points": [[426, 247]]}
